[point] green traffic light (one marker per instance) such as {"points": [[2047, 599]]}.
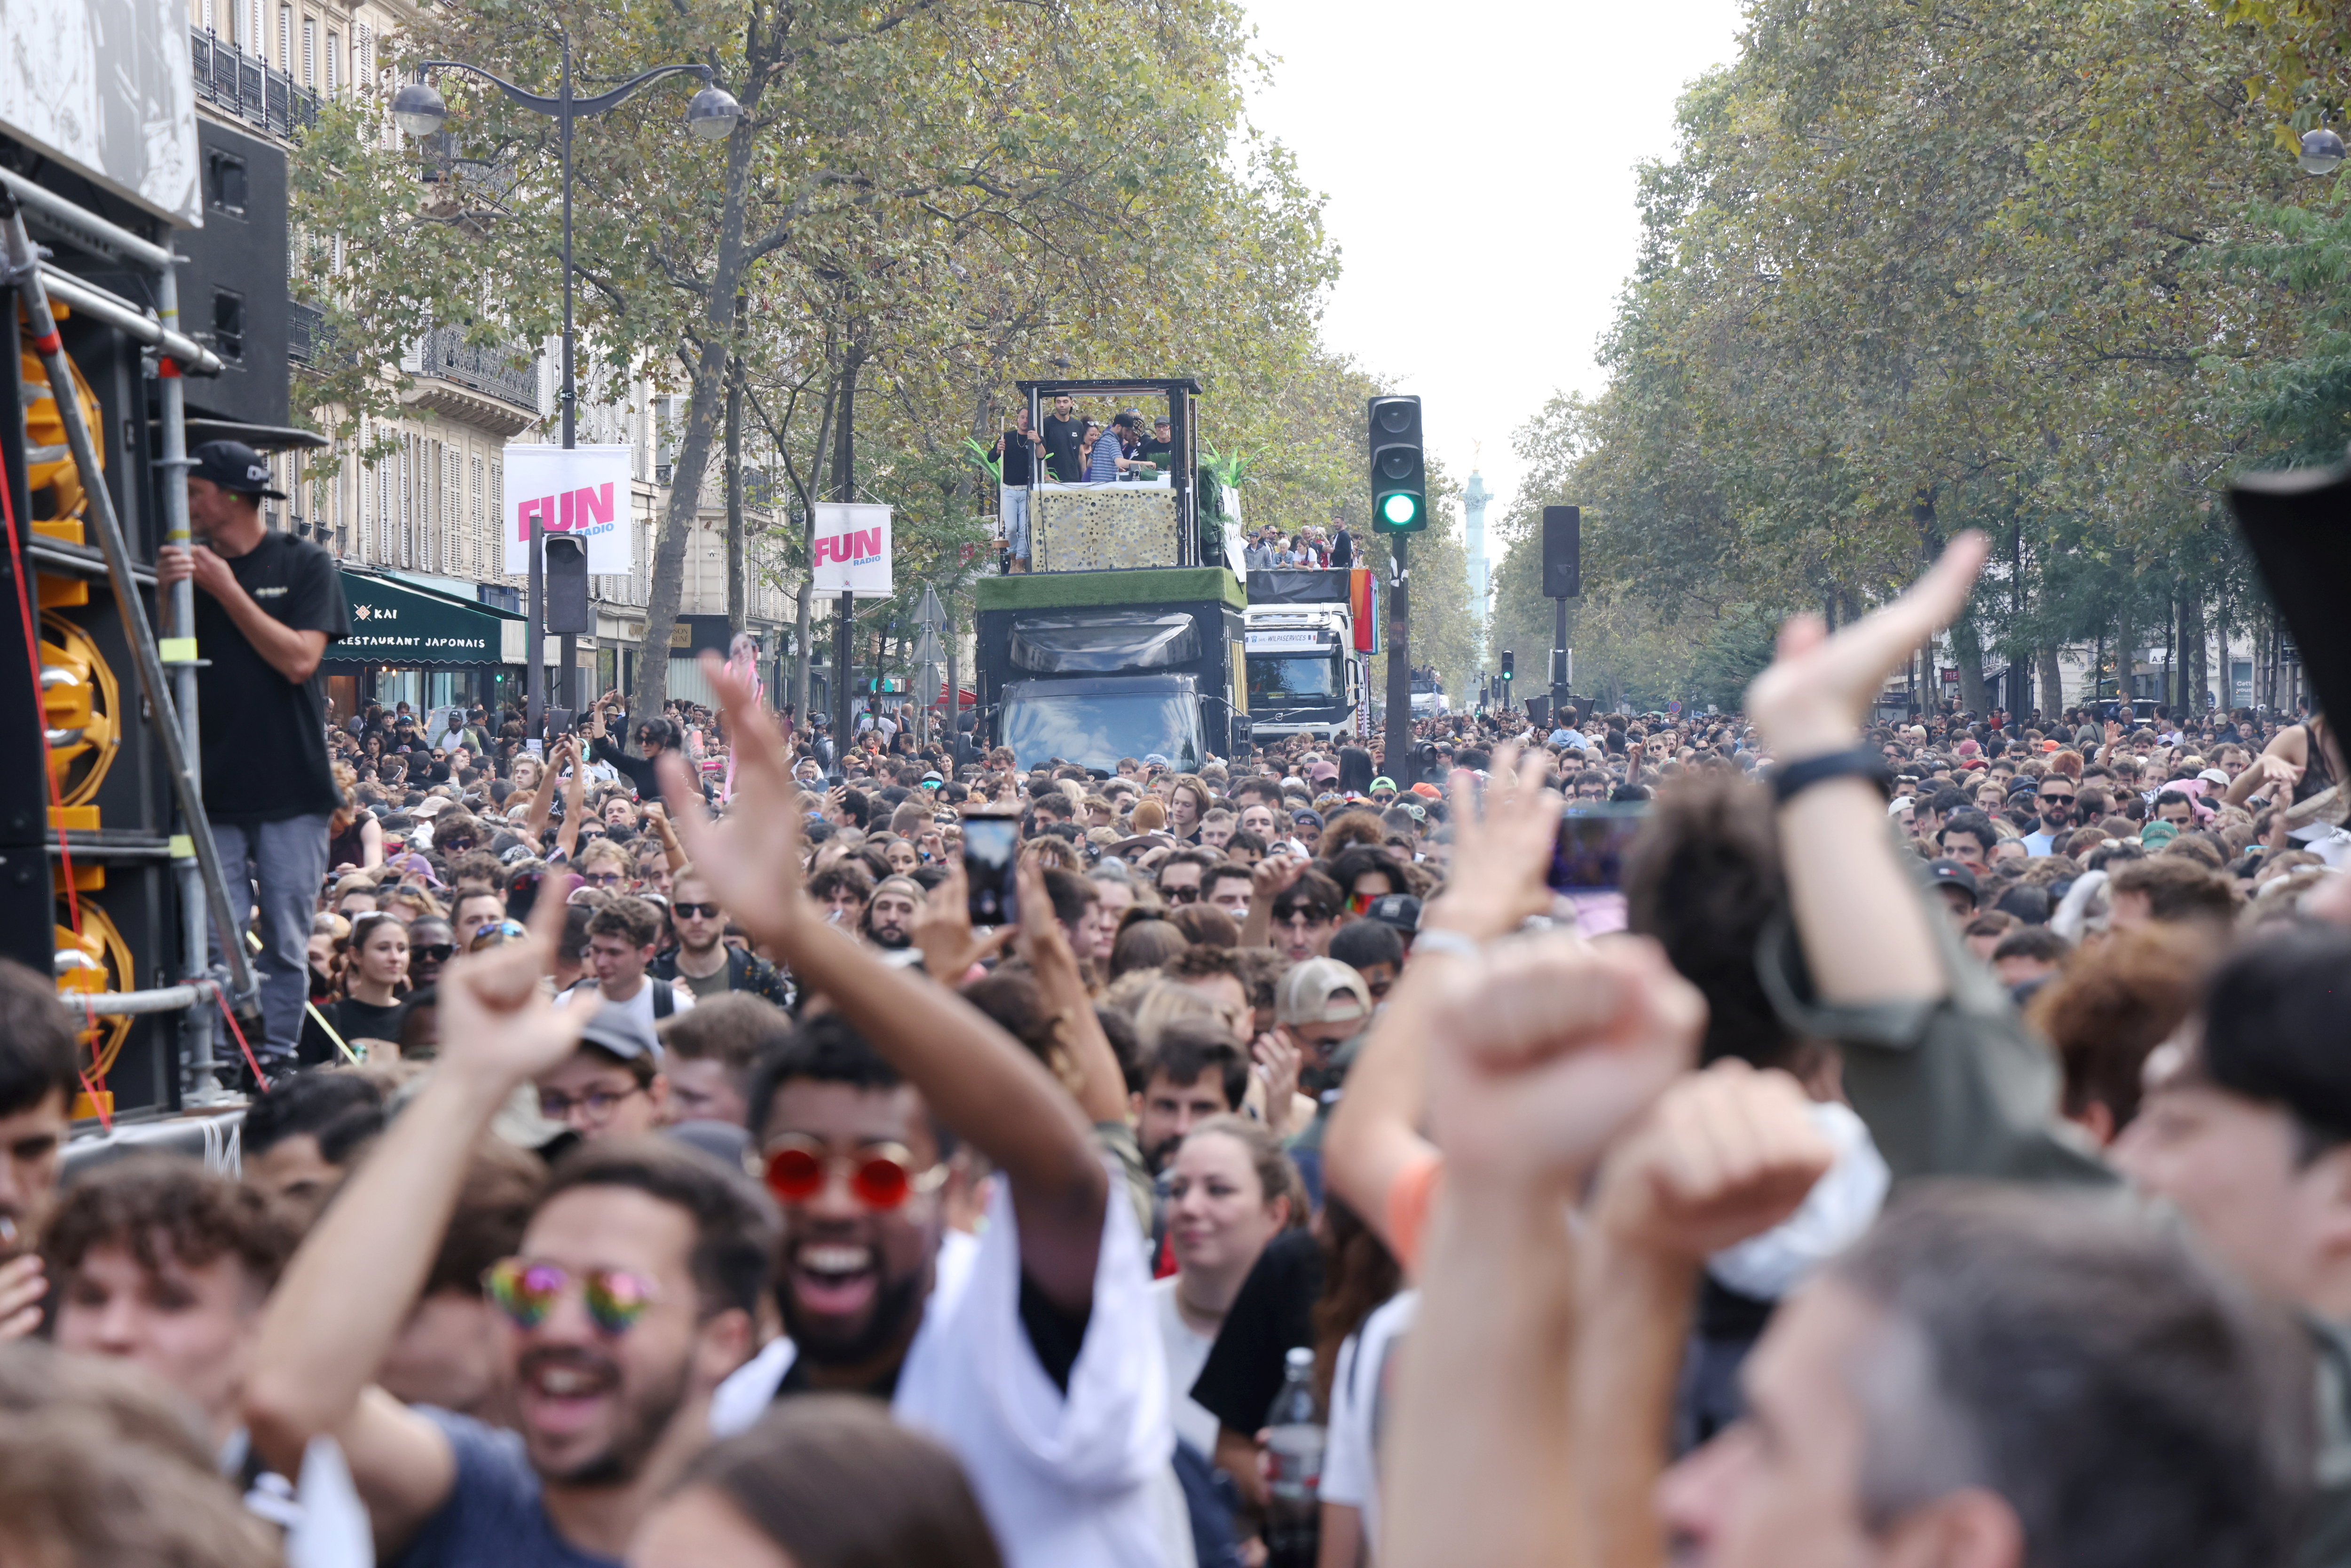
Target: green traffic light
{"points": [[1399, 508]]}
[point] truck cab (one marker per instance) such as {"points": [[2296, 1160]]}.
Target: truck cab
{"points": [[1095, 722], [1302, 676]]}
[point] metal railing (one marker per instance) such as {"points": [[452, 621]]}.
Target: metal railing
{"points": [[249, 87], [491, 371]]}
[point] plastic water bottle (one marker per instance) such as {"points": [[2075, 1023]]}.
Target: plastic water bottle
{"points": [[1293, 1448]]}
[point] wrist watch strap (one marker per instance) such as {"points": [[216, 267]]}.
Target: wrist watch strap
{"points": [[1861, 762]]}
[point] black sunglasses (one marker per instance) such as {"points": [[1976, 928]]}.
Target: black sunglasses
{"points": [[433, 952], [697, 911]]}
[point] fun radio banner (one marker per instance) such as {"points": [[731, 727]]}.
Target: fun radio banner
{"points": [[584, 492], [852, 553]]}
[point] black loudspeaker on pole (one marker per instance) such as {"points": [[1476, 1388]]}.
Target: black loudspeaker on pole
{"points": [[1563, 580]]}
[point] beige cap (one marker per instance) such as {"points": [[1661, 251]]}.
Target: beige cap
{"points": [[1321, 990]]}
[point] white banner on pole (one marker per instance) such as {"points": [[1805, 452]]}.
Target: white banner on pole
{"points": [[586, 491], [852, 549]]}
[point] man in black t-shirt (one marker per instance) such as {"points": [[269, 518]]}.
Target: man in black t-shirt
{"points": [[268, 605], [1160, 445], [1062, 433], [1018, 449]]}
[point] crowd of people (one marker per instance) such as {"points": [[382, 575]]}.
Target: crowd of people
{"points": [[1937, 1148], [1309, 549]]}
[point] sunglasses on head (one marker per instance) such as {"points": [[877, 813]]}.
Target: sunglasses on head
{"points": [[527, 1293], [881, 1175], [497, 934]]}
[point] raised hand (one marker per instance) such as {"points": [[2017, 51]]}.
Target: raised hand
{"points": [[1811, 699], [942, 930], [1500, 853], [1546, 1047], [22, 1286], [752, 859], [1724, 1155], [498, 1026], [1278, 1058], [1273, 877]]}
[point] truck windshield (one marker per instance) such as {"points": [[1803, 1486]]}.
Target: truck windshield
{"points": [[1275, 679], [1095, 730]]}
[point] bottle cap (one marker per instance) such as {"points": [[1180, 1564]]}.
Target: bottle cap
{"points": [[1300, 1358]]}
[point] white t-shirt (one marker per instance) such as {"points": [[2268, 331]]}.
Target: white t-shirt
{"points": [[1186, 1350], [640, 1006], [1360, 1383], [1081, 1480]]}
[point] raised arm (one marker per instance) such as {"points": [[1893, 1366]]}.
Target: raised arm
{"points": [[1866, 934], [575, 804], [348, 1290], [1544, 1051], [977, 1079], [1375, 1134]]}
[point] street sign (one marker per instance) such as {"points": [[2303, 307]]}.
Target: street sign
{"points": [[932, 613]]}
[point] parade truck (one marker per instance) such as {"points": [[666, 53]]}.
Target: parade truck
{"points": [[1124, 638], [1091, 667], [1305, 632]]}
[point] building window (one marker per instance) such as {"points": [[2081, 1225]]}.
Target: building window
{"points": [[284, 37], [334, 56], [498, 514], [309, 53], [481, 534]]}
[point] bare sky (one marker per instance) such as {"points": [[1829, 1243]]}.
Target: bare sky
{"points": [[1503, 135]]}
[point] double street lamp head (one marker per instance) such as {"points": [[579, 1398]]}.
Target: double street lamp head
{"points": [[419, 110], [2321, 151]]}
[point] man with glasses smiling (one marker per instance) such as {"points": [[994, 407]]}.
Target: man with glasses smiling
{"points": [[633, 1292], [2055, 802]]}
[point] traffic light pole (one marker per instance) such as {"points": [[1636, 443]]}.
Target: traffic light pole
{"points": [[1398, 758], [1559, 673]]}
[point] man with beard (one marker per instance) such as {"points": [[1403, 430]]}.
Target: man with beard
{"points": [[889, 921], [633, 1294], [1037, 1362]]}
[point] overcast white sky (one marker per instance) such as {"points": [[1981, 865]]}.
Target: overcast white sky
{"points": [[1511, 128]]}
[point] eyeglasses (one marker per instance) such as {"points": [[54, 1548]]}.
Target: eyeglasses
{"points": [[527, 1293], [2056, 800], [1298, 919], [882, 1175], [433, 953], [1181, 895], [457, 846], [601, 878], [696, 911], [599, 1104], [497, 934]]}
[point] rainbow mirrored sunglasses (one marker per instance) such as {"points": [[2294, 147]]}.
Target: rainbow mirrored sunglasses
{"points": [[527, 1293]]}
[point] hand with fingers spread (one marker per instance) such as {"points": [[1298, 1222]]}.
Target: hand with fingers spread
{"points": [[497, 1024], [1810, 700], [944, 933], [1546, 1048], [1724, 1155], [1501, 847], [752, 859]]}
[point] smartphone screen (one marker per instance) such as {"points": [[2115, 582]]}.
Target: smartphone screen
{"points": [[1588, 855], [990, 846]]}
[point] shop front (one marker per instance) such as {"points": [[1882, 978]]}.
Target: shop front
{"points": [[424, 648]]}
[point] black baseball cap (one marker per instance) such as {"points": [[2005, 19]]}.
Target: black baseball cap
{"points": [[233, 465], [1951, 874]]}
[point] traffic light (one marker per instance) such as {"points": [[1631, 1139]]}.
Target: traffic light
{"points": [[1399, 472], [1509, 669]]}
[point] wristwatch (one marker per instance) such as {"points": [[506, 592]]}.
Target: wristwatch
{"points": [[1861, 762]]}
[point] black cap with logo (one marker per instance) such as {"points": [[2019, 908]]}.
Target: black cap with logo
{"points": [[233, 465]]}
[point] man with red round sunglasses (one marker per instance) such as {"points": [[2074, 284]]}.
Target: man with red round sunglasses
{"points": [[1033, 1353]]}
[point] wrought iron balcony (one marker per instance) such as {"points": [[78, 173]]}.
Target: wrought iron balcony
{"points": [[493, 371], [249, 87]]}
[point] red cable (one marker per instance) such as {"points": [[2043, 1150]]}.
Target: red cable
{"points": [[258, 1076]]}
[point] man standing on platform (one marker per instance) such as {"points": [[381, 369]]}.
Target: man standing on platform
{"points": [[268, 605]]}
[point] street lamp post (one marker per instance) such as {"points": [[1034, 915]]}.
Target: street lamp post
{"points": [[419, 110]]}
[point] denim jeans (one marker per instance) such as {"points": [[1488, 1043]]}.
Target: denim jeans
{"points": [[1016, 520], [284, 861]]}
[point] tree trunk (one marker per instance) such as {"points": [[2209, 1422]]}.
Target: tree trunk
{"points": [[1967, 651], [2191, 646], [735, 595], [2052, 685], [709, 375]]}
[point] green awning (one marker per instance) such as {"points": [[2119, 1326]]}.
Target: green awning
{"points": [[392, 623]]}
